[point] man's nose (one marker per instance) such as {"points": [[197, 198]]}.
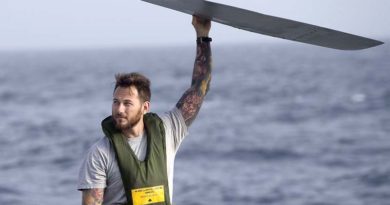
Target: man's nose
{"points": [[120, 108]]}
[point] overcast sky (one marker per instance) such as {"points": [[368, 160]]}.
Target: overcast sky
{"points": [[46, 24]]}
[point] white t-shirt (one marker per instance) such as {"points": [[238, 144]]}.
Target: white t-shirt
{"points": [[100, 169]]}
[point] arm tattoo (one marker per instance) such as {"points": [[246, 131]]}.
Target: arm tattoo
{"points": [[191, 101], [93, 196]]}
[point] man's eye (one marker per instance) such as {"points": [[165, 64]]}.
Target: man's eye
{"points": [[127, 104]]}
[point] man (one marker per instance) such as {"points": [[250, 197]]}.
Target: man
{"points": [[133, 163]]}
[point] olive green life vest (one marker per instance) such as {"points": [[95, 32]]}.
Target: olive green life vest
{"points": [[145, 182]]}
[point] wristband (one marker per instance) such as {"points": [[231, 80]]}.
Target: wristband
{"points": [[200, 40]]}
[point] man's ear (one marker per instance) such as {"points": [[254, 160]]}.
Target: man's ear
{"points": [[146, 106]]}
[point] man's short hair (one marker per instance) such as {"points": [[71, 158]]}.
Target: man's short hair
{"points": [[140, 82]]}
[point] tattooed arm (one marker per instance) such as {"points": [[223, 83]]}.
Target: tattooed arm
{"points": [[92, 196], [192, 99]]}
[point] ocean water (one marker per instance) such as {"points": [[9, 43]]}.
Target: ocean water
{"points": [[285, 124]]}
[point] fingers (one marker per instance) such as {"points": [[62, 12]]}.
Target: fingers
{"points": [[194, 20], [197, 20]]}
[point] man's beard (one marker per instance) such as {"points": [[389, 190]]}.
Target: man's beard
{"points": [[131, 122]]}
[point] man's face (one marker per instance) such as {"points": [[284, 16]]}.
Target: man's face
{"points": [[127, 108]]}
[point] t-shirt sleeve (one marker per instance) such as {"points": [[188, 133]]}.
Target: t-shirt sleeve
{"points": [[175, 128], [92, 173]]}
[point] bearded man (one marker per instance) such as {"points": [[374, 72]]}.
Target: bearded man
{"points": [[133, 163]]}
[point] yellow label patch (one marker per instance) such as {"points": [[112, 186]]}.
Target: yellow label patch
{"points": [[148, 195]]}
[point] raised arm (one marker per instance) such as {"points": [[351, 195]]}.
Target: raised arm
{"points": [[191, 101], [92, 196]]}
